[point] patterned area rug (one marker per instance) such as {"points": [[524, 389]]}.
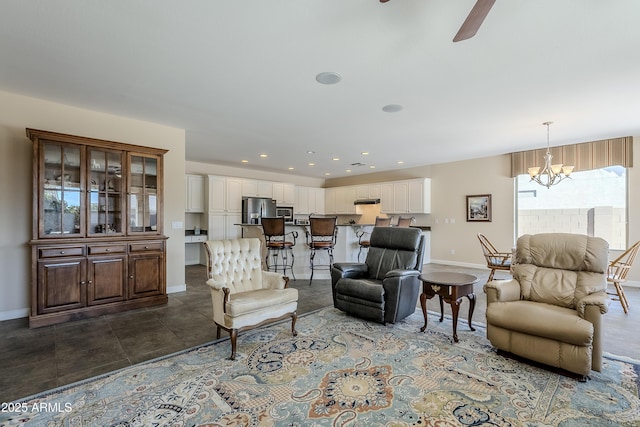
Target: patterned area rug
{"points": [[341, 371]]}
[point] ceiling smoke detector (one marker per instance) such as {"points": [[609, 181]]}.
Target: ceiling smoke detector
{"points": [[357, 164]]}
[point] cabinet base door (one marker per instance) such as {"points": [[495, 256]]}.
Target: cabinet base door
{"points": [[106, 281], [146, 275], [60, 285]]}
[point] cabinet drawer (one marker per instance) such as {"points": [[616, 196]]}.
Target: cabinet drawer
{"points": [[107, 249], [61, 251], [146, 246], [195, 239]]}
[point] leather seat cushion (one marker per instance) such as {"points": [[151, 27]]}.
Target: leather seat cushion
{"points": [[542, 320], [247, 302], [361, 289]]}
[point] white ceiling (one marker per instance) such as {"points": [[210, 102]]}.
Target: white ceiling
{"points": [[239, 75]]}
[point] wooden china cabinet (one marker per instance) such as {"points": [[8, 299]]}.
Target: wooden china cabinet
{"points": [[97, 241]]}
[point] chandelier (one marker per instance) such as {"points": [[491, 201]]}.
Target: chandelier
{"points": [[550, 174]]}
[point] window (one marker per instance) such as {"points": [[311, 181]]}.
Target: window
{"points": [[592, 202]]}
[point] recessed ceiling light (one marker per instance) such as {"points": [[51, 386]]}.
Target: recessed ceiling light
{"points": [[348, 170], [245, 161], [263, 155], [336, 158], [311, 164], [392, 108], [328, 78], [400, 162], [311, 152], [291, 168], [372, 167], [327, 173], [365, 153]]}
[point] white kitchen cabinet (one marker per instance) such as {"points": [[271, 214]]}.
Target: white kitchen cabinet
{"points": [[284, 193], [368, 191], [301, 205], [330, 200], [349, 197], [224, 226], [309, 200], [419, 193], [265, 189], [250, 187], [339, 200], [401, 197], [194, 194], [386, 198], [316, 200], [409, 196], [225, 207]]}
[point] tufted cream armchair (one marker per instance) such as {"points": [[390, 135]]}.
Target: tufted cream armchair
{"points": [[552, 310], [243, 295]]}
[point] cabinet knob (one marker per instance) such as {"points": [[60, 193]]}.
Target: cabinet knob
{"points": [[82, 282], [146, 247], [89, 282], [61, 252], [108, 249], [130, 277]]}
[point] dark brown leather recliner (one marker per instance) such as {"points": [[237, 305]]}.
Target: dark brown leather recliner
{"points": [[385, 287]]}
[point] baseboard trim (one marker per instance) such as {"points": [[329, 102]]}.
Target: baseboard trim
{"points": [[177, 288], [14, 314], [458, 264]]}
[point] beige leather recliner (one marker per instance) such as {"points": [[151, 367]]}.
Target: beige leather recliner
{"points": [[551, 311], [243, 295]]}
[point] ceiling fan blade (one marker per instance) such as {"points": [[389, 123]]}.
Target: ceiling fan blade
{"points": [[471, 25]]}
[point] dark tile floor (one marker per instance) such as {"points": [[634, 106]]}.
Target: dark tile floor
{"points": [[35, 360]]}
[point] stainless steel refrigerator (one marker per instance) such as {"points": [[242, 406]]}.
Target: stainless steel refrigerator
{"points": [[254, 208]]}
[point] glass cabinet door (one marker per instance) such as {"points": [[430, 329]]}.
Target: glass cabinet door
{"points": [[105, 192], [60, 212], [143, 194]]}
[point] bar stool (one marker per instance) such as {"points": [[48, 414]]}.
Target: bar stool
{"points": [[321, 236], [277, 244], [405, 221], [365, 244]]}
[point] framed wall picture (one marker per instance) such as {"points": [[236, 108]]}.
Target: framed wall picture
{"points": [[479, 207]]}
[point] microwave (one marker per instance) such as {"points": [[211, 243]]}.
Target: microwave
{"points": [[286, 212]]}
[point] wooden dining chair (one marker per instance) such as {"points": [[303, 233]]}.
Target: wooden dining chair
{"points": [[495, 260], [617, 274]]}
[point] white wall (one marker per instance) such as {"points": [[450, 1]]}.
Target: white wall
{"points": [[19, 112]]}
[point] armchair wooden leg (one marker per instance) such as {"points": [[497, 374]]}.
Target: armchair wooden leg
{"points": [[218, 332], [622, 297], [294, 318], [234, 336], [491, 275]]}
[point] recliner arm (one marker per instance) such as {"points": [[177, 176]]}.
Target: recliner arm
{"points": [[401, 289], [598, 299], [351, 270], [401, 273], [502, 290]]}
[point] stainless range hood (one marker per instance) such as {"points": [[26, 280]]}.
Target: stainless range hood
{"points": [[367, 202]]}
